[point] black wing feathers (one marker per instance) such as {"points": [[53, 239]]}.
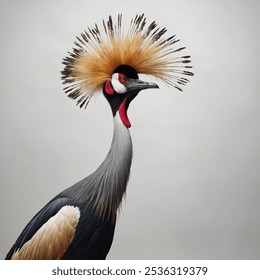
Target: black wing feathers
{"points": [[93, 237], [48, 211]]}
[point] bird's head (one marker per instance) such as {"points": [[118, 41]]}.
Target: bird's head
{"points": [[122, 88], [111, 59]]}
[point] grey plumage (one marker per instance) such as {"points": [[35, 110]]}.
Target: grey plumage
{"points": [[107, 185]]}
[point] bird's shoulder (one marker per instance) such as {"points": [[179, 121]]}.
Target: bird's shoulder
{"points": [[64, 229], [51, 228]]}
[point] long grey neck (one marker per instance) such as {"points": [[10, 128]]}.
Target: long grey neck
{"points": [[113, 173], [106, 186]]}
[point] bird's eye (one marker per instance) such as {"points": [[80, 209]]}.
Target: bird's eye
{"points": [[122, 80]]}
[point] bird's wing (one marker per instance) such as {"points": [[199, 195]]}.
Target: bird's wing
{"points": [[49, 234]]}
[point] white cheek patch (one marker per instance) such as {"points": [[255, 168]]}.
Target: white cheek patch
{"points": [[118, 87]]}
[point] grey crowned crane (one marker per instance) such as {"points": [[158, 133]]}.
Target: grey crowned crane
{"points": [[79, 222]]}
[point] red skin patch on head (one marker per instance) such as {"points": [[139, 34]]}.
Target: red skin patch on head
{"points": [[123, 114], [108, 88], [121, 75]]}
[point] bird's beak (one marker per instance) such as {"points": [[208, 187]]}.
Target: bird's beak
{"points": [[133, 84]]}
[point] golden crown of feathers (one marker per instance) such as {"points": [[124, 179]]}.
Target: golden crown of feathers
{"points": [[97, 54]]}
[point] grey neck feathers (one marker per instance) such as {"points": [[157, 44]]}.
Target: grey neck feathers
{"points": [[106, 186]]}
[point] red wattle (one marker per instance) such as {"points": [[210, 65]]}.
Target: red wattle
{"points": [[123, 114], [108, 88]]}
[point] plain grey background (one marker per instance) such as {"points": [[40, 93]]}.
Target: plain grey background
{"points": [[194, 190]]}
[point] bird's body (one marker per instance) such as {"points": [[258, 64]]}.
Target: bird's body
{"points": [[93, 208], [79, 222]]}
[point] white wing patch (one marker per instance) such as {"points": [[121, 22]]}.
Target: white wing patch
{"points": [[52, 240]]}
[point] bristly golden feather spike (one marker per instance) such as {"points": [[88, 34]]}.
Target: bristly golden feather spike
{"points": [[97, 53]]}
